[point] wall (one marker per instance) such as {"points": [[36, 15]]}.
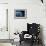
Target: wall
{"points": [[3, 1], [35, 14]]}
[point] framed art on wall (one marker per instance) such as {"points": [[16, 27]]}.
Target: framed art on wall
{"points": [[20, 13]]}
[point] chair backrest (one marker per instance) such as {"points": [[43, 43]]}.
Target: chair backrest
{"points": [[33, 28]]}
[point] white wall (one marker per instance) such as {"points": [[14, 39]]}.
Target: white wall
{"points": [[35, 14], [3, 1]]}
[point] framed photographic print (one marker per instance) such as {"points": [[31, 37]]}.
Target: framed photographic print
{"points": [[20, 13]]}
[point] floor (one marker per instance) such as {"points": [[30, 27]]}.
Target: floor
{"points": [[29, 44], [5, 44]]}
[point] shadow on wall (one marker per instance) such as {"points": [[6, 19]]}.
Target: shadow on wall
{"points": [[41, 34]]}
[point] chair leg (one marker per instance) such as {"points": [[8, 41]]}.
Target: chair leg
{"points": [[20, 42]]}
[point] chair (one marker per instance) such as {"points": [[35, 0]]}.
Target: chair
{"points": [[33, 30]]}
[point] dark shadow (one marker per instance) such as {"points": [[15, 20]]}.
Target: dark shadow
{"points": [[41, 35]]}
